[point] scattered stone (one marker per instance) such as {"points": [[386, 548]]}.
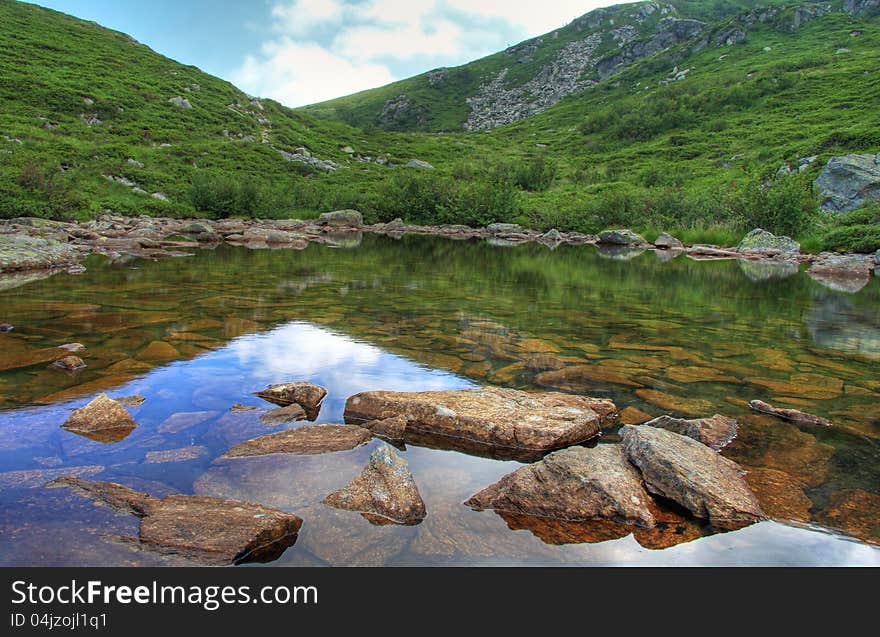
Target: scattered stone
{"points": [[384, 490], [103, 416], [792, 415], [205, 529], [667, 242], [283, 415], [693, 475], [760, 241], [491, 415], [70, 363], [623, 237], [418, 163], [180, 102], [339, 218], [238, 408], [73, 348], [307, 440], [307, 395], [573, 484], [715, 432]]}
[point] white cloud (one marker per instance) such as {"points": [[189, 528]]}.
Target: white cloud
{"points": [[329, 48], [297, 74]]}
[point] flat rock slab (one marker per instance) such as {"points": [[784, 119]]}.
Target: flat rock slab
{"points": [[573, 484], [283, 415], [384, 492], [205, 529], [688, 472], [491, 415], [306, 395], [308, 440], [716, 432], [103, 420], [792, 415]]}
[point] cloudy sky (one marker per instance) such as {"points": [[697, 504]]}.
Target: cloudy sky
{"points": [[305, 51]]}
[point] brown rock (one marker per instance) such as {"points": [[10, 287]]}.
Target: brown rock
{"points": [[73, 348], [131, 401], [393, 428], [582, 376], [491, 416], [633, 416], [103, 420], [308, 440], [691, 474], [306, 395], [781, 495], [238, 408], [854, 511], [283, 415], [689, 406], [70, 363], [208, 530], [36, 478], [792, 415], [158, 352], [715, 432], [385, 488], [573, 484]]}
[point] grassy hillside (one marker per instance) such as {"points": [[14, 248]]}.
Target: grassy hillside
{"points": [[698, 154]]}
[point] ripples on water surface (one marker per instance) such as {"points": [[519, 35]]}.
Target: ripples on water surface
{"points": [[196, 335]]}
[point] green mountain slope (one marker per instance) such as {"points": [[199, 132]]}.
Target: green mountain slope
{"points": [[686, 131]]}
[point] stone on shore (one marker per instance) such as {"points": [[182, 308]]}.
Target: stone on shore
{"points": [[573, 484], [792, 415], [102, 419], [760, 241], [308, 440], [306, 395], [384, 491], [715, 432], [23, 252], [842, 272], [688, 472], [667, 242], [202, 528], [490, 415], [622, 237], [339, 218]]}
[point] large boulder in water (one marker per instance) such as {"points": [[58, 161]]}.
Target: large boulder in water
{"points": [[383, 492], [846, 182], [307, 395], [490, 415], [573, 484], [205, 529], [103, 420], [688, 472], [760, 241]]}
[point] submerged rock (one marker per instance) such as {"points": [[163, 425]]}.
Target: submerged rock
{"points": [[306, 395], [103, 420], [491, 415], [385, 488], [622, 237], [792, 415], [573, 484], [283, 415], [760, 241], [70, 363], [134, 400], [308, 440], [715, 432], [208, 530], [693, 475]]}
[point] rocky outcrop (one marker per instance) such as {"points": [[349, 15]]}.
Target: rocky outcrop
{"points": [[573, 484], [205, 529], [715, 432], [693, 475], [490, 416], [103, 420], [304, 441], [307, 395], [846, 182], [22, 252], [399, 113], [669, 31], [623, 237], [383, 492], [760, 241], [792, 415], [304, 156]]}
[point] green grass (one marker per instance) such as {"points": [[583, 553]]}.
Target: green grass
{"points": [[696, 157]]}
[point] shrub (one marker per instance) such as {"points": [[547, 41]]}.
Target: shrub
{"points": [[785, 206]]}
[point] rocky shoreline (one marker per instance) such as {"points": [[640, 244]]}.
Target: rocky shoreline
{"points": [[33, 248]]}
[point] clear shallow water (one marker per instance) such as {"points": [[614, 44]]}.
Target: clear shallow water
{"points": [[678, 337]]}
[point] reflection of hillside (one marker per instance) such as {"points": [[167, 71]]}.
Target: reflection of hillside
{"points": [[858, 333]]}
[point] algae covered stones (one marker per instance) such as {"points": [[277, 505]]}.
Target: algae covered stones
{"points": [[573, 484], [202, 528], [103, 420], [383, 492], [491, 416], [306, 395]]}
